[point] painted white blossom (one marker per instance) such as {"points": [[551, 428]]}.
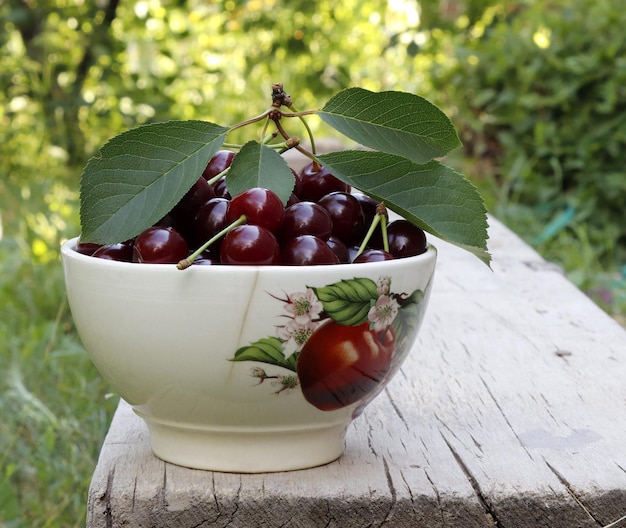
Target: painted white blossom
{"points": [[382, 314], [383, 285], [304, 306], [286, 383], [295, 334]]}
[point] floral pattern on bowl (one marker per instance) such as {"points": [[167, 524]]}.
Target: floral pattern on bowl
{"points": [[339, 342]]}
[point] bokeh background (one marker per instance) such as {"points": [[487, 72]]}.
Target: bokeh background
{"points": [[536, 88]]}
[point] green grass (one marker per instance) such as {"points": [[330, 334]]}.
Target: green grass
{"points": [[53, 403]]}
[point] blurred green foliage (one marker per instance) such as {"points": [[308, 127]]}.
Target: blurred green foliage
{"points": [[539, 92], [536, 87], [85, 72]]}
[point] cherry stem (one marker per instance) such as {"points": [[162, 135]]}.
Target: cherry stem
{"points": [[302, 113], [268, 137], [264, 131], [379, 218], [368, 235], [218, 176], [185, 263], [252, 120], [290, 143], [381, 211], [306, 126], [300, 149]]}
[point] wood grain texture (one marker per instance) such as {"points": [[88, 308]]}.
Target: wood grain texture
{"points": [[509, 413]]}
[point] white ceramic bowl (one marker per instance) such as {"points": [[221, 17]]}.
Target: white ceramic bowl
{"points": [[207, 356]]}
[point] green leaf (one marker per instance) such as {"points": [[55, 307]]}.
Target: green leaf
{"points": [[348, 302], [141, 174], [256, 165], [266, 350], [395, 122], [433, 196]]}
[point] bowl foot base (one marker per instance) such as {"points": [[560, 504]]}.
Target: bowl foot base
{"points": [[246, 450]]}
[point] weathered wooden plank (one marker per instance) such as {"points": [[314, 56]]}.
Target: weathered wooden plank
{"points": [[508, 414]]}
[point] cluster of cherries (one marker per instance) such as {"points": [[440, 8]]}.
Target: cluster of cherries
{"points": [[323, 222]]}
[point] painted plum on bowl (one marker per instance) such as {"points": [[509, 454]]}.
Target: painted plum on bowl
{"points": [[340, 365], [340, 341]]}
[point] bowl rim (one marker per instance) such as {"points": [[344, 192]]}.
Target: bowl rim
{"points": [[68, 251]]}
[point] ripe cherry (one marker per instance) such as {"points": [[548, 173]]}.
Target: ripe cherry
{"points": [[186, 209], [159, 245], [87, 248], [248, 244], [220, 161], [339, 249], [341, 365], [261, 207], [405, 239], [346, 214], [307, 250], [316, 181], [293, 198], [167, 221], [210, 220], [373, 255], [221, 190], [122, 252], [368, 206], [305, 218]]}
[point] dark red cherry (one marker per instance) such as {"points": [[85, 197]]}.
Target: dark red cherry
{"points": [[307, 250], [210, 220], [373, 255], [167, 221], [220, 161], [187, 208], [247, 245], [316, 181], [122, 252], [346, 214], [87, 248], [293, 198], [405, 239], [339, 249], [368, 206], [261, 207], [221, 190], [305, 218], [159, 245]]}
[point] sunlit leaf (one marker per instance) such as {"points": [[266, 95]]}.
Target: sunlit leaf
{"points": [[141, 174], [394, 122]]}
